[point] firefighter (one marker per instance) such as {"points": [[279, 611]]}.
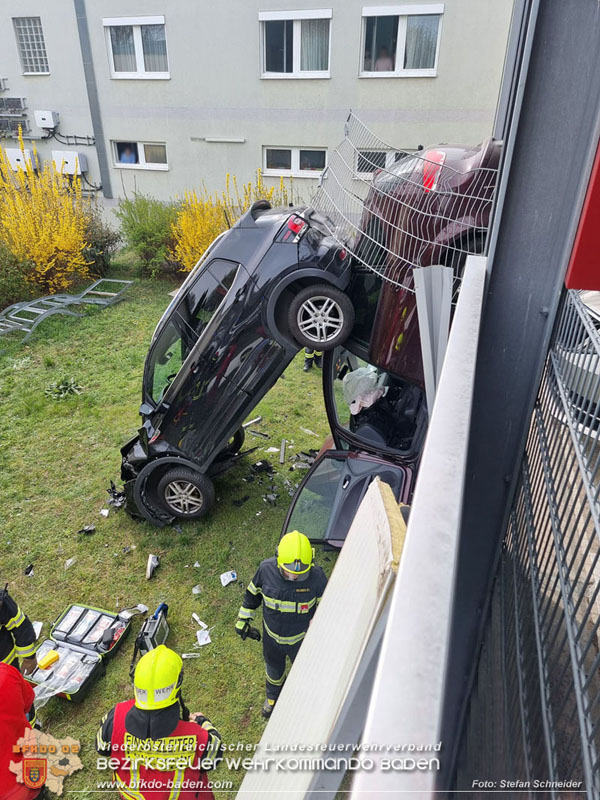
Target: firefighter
{"points": [[312, 356], [289, 586], [17, 637], [16, 697], [157, 741]]}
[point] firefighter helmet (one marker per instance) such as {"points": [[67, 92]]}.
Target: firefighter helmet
{"points": [[294, 554], [158, 677]]}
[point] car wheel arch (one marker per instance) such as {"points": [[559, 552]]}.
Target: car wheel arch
{"points": [[277, 307]]}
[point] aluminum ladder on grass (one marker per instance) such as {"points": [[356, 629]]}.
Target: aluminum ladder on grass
{"points": [[27, 315]]}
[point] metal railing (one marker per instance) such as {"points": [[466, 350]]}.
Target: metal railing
{"points": [[407, 700], [535, 711], [395, 209]]}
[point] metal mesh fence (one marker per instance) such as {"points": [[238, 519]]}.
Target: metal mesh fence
{"points": [[395, 210], [542, 643]]}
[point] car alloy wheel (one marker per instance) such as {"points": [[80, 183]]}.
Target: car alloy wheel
{"points": [[321, 317], [183, 497], [185, 493]]}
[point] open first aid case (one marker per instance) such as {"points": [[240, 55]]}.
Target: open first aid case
{"points": [[83, 637]]}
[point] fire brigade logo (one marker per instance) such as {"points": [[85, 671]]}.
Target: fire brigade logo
{"points": [[34, 772], [303, 608]]}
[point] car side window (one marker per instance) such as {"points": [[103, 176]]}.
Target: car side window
{"points": [[206, 294]]}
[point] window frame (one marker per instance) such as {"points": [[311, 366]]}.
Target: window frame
{"points": [[20, 52], [295, 171], [402, 12], [390, 160], [296, 17], [141, 152], [136, 23]]}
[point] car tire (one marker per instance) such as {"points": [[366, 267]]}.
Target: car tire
{"points": [[309, 329], [236, 442], [185, 493]]}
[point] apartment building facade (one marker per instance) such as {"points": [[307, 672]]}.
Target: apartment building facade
{"points": [[162, 96]]}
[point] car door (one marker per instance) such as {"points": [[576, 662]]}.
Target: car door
{"points": [[327, 499], [391, 426]]}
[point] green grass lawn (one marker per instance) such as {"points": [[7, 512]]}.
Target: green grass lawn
{"points": [[56, 460]]}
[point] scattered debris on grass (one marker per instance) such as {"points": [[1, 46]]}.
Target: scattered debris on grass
{"points": [[104, 512], [309, 432], [271, 450], [116, 498], [254, 421], [203, 637], [262, 466], [70, 561], [196, 564], [151, 565], [196, 589], [240, 502], [282, 452], [61, 389], [87, 530], [29, 570], [228, 577], [259, 433]]}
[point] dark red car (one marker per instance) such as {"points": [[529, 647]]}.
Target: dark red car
{"points": [[428, 208]]}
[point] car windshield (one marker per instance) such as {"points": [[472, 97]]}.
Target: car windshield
{"points": [[186, 322], [326, 506]]}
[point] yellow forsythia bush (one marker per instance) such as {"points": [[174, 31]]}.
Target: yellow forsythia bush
{"points": [[202, 217], [43, 222]]}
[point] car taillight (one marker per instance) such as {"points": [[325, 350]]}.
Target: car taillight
{"points": [[296, 224], [431, 168]]}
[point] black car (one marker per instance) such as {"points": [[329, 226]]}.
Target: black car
{"points": [[270, 285]]}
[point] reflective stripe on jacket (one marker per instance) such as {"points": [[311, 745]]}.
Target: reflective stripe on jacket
{"points": [[288, 606]]}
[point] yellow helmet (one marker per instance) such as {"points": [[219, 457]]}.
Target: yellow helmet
{"points": [[295, 554], [157, 678]]}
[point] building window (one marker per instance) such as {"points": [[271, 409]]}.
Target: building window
{"points": [[369, 161], [298, 162], [32, 48], [401, 41], [295, 44], [140, 155], [137, 47]]}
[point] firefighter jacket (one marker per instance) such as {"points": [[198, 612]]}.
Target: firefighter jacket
{"points": [[288, 606], [16, 698], [17, 637], [161, 756]]}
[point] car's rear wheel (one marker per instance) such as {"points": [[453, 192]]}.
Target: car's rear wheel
{"points": [[321, 317], [185, 493], [235, 443]]}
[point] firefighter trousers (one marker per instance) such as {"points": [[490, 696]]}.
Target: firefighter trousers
{"points": [[275, 655]]}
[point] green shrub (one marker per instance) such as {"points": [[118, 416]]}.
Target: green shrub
{"points": [[146, 227], [103, 242], [14, 286]]}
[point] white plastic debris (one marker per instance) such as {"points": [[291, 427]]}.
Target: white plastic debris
{"points": [[309, 432], [197, 620], [271, 450], [105, 512], [196, 564], [196, 589], [228, 577], [203, 637], [191, 655], [37, 628], [70, 561]]}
